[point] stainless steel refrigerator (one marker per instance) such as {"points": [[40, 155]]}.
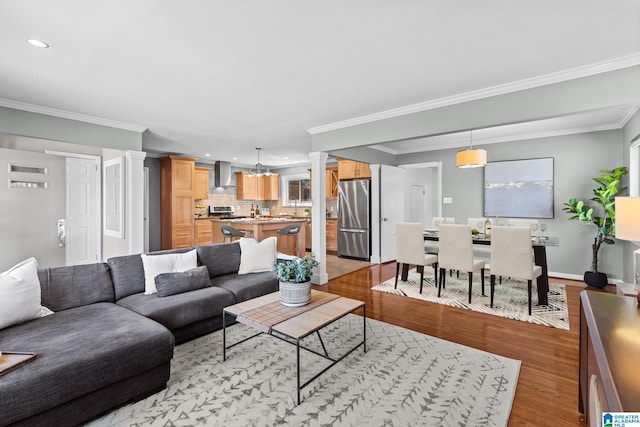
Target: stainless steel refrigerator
{"points": [[354, 219]]}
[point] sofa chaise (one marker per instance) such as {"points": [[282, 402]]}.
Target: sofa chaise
{"points": [[108, 343]]}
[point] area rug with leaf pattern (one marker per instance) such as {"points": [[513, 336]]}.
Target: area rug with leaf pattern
{"points": [[510, 297], [405, 378]]}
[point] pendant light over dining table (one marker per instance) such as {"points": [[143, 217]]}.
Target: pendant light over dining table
{"points": [[471, 158]]}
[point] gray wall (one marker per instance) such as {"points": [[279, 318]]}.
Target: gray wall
{"points": [[613, 88], [631, 132], [17, 122], [577, 159], [38, 132]]}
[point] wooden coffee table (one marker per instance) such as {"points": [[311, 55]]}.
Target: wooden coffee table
{"points": [[292, 324]]}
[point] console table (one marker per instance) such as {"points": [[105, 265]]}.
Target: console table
{"points": [[609, 375]]}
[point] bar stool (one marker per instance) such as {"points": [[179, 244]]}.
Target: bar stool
{"points": [[230, 232], [288, 231]]}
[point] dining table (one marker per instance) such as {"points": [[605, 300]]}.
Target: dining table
{"points": [[539, 245]]}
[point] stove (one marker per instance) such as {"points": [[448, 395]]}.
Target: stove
{"points": [[223, 212]]}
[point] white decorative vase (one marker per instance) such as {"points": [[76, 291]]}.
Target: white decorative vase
{"points": [[295, 294]]}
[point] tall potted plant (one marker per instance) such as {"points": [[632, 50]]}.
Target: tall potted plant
{"points": [[604, 197], [295, 280]]}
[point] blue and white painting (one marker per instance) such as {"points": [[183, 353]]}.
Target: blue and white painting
{"points": [[519, 188]]}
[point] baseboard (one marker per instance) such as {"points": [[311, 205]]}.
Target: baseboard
{"points": [[580, 278]]}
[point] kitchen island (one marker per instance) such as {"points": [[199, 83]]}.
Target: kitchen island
{"points": [[262, 228]]}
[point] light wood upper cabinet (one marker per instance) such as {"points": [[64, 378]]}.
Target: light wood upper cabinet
{"points": [[176, 199], [257, 187], [348, 169], [246, 187], [331, 179], [270, 187], [201, 183]]}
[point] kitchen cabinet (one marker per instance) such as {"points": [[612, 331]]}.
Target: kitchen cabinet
{"points": [[201, 183], [331, 178], [257, 187], [332, 234], [348, 169], [269, 187], [204, 232], [609, 380], [176, 200], [307, 235]]}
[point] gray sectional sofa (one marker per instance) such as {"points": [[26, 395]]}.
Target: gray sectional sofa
{"points": [[107, 342]]}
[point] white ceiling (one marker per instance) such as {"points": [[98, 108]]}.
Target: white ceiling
{"points": [[224, 77]]}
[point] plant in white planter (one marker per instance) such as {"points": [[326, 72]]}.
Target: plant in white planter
{"points": [[295, 280]]}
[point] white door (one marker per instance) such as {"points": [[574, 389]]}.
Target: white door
{"points": [[32, 195], [82, 200], [417, 204], [391, 209]]}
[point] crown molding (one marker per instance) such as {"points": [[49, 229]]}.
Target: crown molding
{"points": [[547, 79], [632, 110], [16, 105], [497, 139]]}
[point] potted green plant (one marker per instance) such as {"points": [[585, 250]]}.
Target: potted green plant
{"points": [[604, 198], [295, 280]]}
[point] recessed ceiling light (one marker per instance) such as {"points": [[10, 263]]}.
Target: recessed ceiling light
{"points": [[286, 158], [37, 43], [207, 154], [235, 158]]}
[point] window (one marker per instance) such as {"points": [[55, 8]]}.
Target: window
{"points": [[296, 190]]}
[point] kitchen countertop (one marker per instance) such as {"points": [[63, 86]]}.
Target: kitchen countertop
{"points": [[258, 221]]}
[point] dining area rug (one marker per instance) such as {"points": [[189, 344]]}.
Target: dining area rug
{"points": [[510, 297]]}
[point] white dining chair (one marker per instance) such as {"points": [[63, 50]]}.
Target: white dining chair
{"points": [[431, 247], [456, 253], [512, 256], [519, 222], [437, 220], [410, 250], [480, 251]]}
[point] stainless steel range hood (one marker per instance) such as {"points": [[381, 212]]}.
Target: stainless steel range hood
{"points": [[223, 174]]}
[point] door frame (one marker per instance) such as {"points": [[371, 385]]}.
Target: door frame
{"points": [[98, 163], [438, 166]]}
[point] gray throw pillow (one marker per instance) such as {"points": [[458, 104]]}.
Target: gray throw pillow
{"points": [[176, 283]]}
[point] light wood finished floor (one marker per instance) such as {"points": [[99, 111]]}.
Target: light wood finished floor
{"points": [[547, 392], [337, 266]]}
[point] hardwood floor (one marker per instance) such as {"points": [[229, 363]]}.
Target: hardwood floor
{"points": [[547, 392]]}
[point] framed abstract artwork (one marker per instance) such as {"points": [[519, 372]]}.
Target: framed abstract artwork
{"points": [[519, 188]]}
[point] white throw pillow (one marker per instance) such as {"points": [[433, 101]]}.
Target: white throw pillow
{"points": [[256, 257], [20, 294], [165, 263]]}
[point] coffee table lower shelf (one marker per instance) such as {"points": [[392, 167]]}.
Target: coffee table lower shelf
{"points": [[294, 329]]}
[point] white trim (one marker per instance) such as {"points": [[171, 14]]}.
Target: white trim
{"points": [[498, 139], [135, 200], [76, 155], [98, 219], [146, 209], [116, 189], [577, 277], [627, 117], [17, 105], [547, 79], [284, 190]]}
